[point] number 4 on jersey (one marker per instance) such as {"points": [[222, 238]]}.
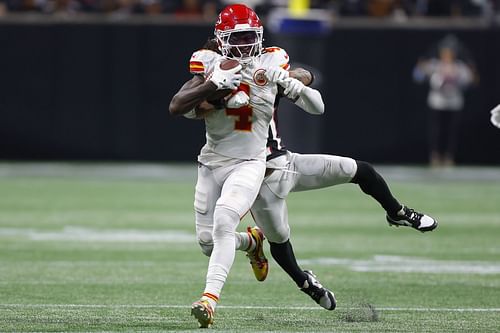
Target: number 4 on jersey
{"points": [[243, 115]]}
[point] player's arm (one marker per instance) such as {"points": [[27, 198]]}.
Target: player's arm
{"points": [[308, 99], [201, 110], [296, 88], [191, 94], [197, 90], [303, 75]]}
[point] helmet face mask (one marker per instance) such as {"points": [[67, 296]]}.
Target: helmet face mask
{"points": [[239, 33], [241, 45]]}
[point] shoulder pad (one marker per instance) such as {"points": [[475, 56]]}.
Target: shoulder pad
{"points": [[277, 57], [202, 61]]}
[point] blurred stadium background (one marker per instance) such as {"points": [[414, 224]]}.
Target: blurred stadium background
{"points": [[96, 178], [82, 84]]}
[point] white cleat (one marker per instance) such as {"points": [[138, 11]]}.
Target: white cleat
{"points": [[410, 218]]}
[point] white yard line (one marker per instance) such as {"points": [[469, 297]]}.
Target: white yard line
{"points": [[187, 171], [83, 234], [238, 307], [404, 264]]}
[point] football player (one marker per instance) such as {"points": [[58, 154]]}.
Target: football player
{"points": [[232, 163], [290, 172]]}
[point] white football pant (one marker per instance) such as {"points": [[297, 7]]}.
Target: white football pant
{"points": [[223, 196], [303, 172]]}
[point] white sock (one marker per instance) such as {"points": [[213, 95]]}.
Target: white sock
{"points": [[244, 242], [222, 258], [211, 299]]}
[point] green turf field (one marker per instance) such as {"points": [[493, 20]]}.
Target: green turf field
{"points": [[112, 248]]}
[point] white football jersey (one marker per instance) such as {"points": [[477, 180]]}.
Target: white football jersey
{"points": [[241, 133]]}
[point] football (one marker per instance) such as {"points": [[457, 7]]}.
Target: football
{"points": [[228, 64]]}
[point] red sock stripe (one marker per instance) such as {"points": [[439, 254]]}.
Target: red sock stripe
{"points": [[249, 243], [212, 296]]}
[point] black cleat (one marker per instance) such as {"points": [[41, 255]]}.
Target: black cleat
{"points": [[318, 293], [410, 218]]}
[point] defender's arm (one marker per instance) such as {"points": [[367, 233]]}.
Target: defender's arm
{"points": [[303, 75], [306, 98]]}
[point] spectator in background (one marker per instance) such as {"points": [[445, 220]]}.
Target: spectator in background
{"points": [[206, 9], [352, 8], [454, 8], [396, 9], [152, 7], [60, 7], [261, 7], [448, 76], [3, 8]]}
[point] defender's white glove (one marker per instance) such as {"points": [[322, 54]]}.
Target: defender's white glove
{"points": [[293, 87], [276, 74], [226, 79], [495, 116], [238, 100]]}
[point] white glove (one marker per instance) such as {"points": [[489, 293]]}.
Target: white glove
{"points": [[293, 87], [238, 100], [276, 74], [226, 79], [495, 116]]}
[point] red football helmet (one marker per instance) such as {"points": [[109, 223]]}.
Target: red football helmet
{"points": [[239, 33]]}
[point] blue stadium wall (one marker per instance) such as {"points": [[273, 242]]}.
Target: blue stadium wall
{"points": [[100, 91]]}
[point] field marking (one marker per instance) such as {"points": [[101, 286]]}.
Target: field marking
{"points": [[241, 307], [106, 171], [187, 171], [403, 264], [74, 233]]}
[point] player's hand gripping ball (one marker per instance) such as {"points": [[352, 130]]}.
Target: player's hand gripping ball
{"points": [[237, 100], [224, 65], [226, 77]]}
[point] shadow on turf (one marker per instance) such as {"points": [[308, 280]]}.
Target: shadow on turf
{"points": [[364, 312]]}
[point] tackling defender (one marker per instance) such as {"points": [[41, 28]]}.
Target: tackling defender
{"points": [[292, 172], [232, 163]]}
